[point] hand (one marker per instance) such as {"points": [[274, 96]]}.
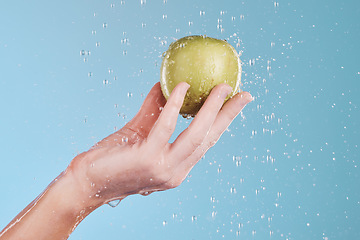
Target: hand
{"points": [[139, 158], [136, 159]]}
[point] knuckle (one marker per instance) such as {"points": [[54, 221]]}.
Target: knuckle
{"points": [[196, 142], [167, 128]]}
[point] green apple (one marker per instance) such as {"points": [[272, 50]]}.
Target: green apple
{"points": [[203, 63]]}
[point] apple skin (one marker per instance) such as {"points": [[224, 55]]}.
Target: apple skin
{"points": [[203, 62]]}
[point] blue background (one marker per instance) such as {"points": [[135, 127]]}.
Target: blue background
{"points": [[72, 72]]}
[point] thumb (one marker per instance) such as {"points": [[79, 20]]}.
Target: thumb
{"points": [[148, 114]]}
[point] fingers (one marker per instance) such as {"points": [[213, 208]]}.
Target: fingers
{"points": [[190, 139], [227, 114], [140, 126], [149, 112], [165, 126]]}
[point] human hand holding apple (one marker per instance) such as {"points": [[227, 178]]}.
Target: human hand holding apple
{"points": [[203, 63]]}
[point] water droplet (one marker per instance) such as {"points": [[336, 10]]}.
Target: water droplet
{"points": [[124, 139], [105, 81], [213, 214], [190, 23], [90, 74], [252, 62], [104, 25], [142, 2], [232, 190], [97, 44], [202, 13], [112, 5], [268, 65], [164, 16], [193, 218], [124, 40], [129, 94], [114, 203]]}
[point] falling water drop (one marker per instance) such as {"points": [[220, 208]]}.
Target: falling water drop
{"points": [[252, 62], [114, 203]]}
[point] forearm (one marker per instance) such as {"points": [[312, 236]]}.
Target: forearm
{"points": [[54, 214]]}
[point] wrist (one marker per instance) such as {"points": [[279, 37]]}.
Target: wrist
{"points": [[92, 182]]}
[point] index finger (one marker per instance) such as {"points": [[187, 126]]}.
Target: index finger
{"points": [[166, 123]]}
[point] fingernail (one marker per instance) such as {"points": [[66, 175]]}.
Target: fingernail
{"points": [[226, 91], [247, 97], [185, 88]]}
